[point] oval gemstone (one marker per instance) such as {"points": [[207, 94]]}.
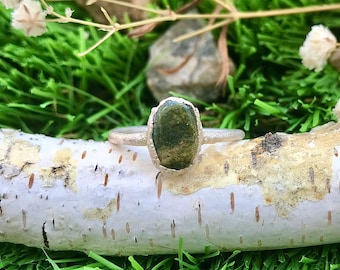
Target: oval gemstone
{"points": [[175, 134]]}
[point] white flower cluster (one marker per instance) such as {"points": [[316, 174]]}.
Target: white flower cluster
{"points": [[318, 46], [28, 15]]}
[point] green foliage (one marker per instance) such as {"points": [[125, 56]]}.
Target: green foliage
{"points": [[271, 90], [46, 88], [18, 257]]}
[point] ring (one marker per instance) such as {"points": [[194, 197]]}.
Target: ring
{"points": [[173, 135]]}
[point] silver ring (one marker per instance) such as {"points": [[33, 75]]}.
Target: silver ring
{"points": [[173, 135]]}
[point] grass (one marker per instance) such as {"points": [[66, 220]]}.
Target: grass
{"points": [[17, 257], [46, 88]]}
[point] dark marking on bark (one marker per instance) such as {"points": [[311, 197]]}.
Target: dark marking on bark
{"points": [[61, 171], [66, 179], [159, 184], [207, 233], [83, 155], [44, 235], [232, 202], [55, 170], [46, 198], [268, 200], [311, 174], [96, 168], [1, 212], [118, 201], [199, 214], [127, 227], [303, 238], [253, 158], [239, 179], [271, 142], [53, 223], [329, 217], [24, 219], [120, 159], [328, 185], [31, 181], [135, 238], [336, 153], [106, 179], [16, 196], [110, 150], [226, 167], [113, 234], [4, 196], [104, 230], [134, 157], [257, 214], [173, 228]]}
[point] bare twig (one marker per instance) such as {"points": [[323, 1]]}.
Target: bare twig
{"points": [[142, 30], [168, 15], [223, 49]]}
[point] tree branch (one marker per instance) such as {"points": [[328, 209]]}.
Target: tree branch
{"points": [[276, 191]]}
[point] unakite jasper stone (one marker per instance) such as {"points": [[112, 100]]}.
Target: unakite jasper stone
{"points": [[175, 135]]}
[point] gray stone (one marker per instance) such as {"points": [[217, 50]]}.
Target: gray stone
{"points": [[175, 135], [190, 67]]}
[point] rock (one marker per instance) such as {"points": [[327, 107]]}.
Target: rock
{"points": [[175, 135], [190, 67]]}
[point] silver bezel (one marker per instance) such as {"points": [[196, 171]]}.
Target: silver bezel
{"points": [[150, 143]]}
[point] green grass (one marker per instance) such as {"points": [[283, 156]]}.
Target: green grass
{"points": [[17, 257], [45, 88]]}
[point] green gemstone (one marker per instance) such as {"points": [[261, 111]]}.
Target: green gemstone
{"points": [[175, 134]]}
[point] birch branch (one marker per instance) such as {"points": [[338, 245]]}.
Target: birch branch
{"points": [[276, 191]]}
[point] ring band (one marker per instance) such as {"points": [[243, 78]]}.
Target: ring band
{"points": [[136, 135], [174, 135]]}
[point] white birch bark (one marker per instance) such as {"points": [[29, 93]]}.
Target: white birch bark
{"points": [[276, 191]]}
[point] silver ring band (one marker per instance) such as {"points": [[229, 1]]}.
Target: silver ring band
{"points": [[136, 135]]}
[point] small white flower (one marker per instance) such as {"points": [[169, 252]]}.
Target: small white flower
{"points": [[10, 3], [29, 17], [68, 12], [319, 44]]}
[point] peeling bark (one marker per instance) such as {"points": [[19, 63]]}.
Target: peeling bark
{"points": [[275, 191]]}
